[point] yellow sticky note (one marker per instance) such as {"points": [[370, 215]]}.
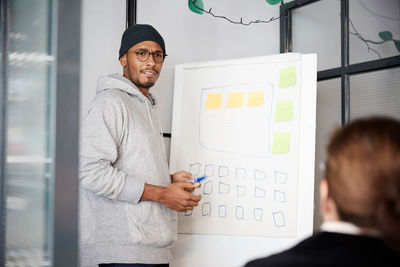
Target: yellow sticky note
{"points": [[235, 100], [214, 101], [284, 111], [287, 77], [255, 99], [281, 143]]}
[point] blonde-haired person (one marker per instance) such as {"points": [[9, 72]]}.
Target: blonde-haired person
{"points": [[360, 201]]}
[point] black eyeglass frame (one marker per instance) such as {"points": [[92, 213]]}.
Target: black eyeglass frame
{"points": [[148, 55]]}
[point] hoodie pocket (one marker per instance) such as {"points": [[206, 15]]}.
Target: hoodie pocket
{"points": [[157, 229], [136, 216]]}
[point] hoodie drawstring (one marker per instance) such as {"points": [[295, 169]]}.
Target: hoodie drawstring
{"points": [[148, 113], [161, 139]]}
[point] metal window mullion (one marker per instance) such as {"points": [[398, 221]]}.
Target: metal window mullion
{"points": [[50, 119], [285, 29], [65, 205], [131, 12], [345, 86], [373, 65], [3, 126]]}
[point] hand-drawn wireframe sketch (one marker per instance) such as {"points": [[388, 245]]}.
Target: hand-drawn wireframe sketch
{"points": [[258, 214], [195, 169], [223, 188], [223, 105], [259, 175], [259, 192], [240, 190], [239, 212], [207, 188], [206, 209], [241, 173], [279, 196], [209, 170], [249, 131], [223, 171], [222, 209], [280, 177], [279, 218]]}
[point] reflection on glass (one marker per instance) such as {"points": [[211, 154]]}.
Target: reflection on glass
{"points": [[316, 29], [328, 118], [375, 93], [374, 29], [28, 174]]}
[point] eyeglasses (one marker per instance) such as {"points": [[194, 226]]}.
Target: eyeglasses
{"points": [[143, 55]]}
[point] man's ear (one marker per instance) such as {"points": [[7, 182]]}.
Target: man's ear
{"points": [[324, 196], [122, 60], [327, 204]]}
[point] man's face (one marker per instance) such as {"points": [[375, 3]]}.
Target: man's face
{"points": [[142, 74]]}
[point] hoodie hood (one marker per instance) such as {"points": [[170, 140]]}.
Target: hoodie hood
{"points": [[117, 81]]}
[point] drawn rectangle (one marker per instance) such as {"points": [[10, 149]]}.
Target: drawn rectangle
{"points": [[228, 130]]}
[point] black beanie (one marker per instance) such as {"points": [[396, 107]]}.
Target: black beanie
{"points": [[139, 33]]}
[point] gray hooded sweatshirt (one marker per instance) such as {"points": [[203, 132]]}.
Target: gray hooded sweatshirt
{"points": [[121, 149]]}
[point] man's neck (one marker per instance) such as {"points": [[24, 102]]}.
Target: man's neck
{"points": [[145, 91]]}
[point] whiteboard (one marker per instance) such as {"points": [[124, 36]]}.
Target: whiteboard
{"points": [[248, 125]]}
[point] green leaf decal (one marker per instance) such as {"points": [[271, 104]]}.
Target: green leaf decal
{"points": [[273, 2], [386, 35], [193, 4], [397, 44]]}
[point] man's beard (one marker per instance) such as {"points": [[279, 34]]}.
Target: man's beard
{"points": [[147, 85]]}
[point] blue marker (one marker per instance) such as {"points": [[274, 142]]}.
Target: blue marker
{"points": [[197, 179]]}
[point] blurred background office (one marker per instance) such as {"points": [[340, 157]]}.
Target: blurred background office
{"points": [[52, 53]]}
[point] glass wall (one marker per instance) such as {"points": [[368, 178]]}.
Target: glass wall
{"points": [[374, 28], [28, 178], [375, 93], [358, 48], [309, 24], [328, 119]]}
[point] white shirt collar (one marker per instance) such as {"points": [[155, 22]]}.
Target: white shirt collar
{"points": [[346, 228], [340, 227]]}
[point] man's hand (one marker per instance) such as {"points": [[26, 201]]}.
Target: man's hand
{"points": [[178, 196], [181, 176]]}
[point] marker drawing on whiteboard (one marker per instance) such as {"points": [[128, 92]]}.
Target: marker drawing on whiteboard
{"points": [[197, 179]]}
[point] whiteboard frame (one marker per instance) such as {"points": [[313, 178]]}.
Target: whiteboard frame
{"points": [[219, 250]]}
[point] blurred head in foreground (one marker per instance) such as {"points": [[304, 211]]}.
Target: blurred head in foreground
{"points": [[362, 177]]}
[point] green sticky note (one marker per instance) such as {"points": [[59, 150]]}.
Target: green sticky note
{"points": [[287, 77], [281, 143], [284, 111]]}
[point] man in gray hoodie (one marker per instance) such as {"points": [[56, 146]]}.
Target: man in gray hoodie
{"points": [[128, 199]]}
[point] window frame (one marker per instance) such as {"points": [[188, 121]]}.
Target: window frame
{"points": [[3, 101], [66, 82], [345, 70]]}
